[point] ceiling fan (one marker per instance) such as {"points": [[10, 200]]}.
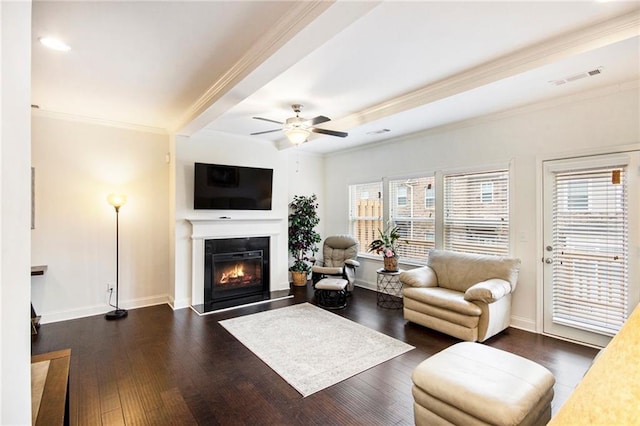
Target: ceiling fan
{"points": [[298, 129]]}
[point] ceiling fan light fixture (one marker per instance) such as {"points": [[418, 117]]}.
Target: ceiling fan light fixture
{"points": [[297, 135], [298, 129]]}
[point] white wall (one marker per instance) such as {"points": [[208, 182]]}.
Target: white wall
{"points": [[15, 338], [212, 147], [77, 164], [606, 118], [306, 177]]}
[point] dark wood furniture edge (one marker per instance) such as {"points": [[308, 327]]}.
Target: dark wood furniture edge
{"points": [[35, 318], [54, 405]]}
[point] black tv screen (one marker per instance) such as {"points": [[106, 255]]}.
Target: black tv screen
{"points": [[223, 187]]}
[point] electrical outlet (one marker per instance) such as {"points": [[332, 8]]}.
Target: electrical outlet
{"points": [[109, 288]]}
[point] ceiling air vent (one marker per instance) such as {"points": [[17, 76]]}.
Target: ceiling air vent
{"points": [[576, 77], [378, 132]]}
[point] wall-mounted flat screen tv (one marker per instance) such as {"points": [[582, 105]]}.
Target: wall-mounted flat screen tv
{"points": [[224, 187]]}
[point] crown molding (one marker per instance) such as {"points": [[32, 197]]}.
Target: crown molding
{"points": [[300, 15], [572, 43], [98, 121], [544, 104], [496, 116]]}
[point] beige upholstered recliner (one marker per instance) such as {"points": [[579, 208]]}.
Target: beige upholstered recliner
{"points": [[339, 254], [465, 295]]}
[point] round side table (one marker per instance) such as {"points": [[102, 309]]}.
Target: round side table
{"points": [[389, 289]]}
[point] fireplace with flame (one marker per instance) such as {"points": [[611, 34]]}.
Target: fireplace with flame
{"points": [[236, 271]]}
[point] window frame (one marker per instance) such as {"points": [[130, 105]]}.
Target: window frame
{"points": [[396, 218], [471, 174], [438, 206], [352, 218]]}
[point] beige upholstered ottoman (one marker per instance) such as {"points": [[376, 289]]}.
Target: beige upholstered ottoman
{"points": [[473, 384], [331, 293]]}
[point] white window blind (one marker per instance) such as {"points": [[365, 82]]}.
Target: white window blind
{"points": [[590, 249], [365, 212], [415, 218], [476, 209]]}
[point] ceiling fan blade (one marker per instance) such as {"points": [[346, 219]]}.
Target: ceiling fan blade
{"points": [[330, 132], [266, 131], [317, 120], [270, 121]]}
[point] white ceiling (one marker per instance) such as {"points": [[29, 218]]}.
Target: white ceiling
{"points": [[405, 66]]}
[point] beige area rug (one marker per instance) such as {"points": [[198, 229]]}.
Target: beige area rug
{"points": [[311, 348]]}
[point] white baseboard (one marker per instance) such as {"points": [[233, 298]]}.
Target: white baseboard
{"points": [[516, 322], [525, 324], [101, 309], [73, 314], [146, 301], [366, 284], [179, 304]]}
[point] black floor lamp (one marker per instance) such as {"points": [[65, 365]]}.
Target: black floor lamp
{"points": [[117, 201]]}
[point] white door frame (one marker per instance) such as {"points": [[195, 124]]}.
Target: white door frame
{"points": [[634, 251]]}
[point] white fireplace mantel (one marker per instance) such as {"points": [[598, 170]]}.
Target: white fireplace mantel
{"points": [[227, 227]]}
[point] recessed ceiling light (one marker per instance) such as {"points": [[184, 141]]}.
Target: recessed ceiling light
{"points": [[54, 43]]}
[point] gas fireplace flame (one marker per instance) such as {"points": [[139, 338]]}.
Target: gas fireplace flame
{"points": [[234, 273]]}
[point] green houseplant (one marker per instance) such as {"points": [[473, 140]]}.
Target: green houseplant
{"points": [[303, 219], [387, 245]]}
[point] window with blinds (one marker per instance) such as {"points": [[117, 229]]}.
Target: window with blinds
{"points": [[413, 211], [365, 212], [476, 212], [590, 249]]}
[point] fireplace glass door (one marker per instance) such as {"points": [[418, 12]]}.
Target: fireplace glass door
{"points": [[236, 271], [237, 274]]}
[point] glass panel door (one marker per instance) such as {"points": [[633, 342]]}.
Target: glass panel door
{"points": [[590, 254]]}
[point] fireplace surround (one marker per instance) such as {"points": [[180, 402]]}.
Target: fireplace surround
{"points": [[236, 271], [204, 229]]}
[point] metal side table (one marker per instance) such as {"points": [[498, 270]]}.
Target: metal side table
{"points": [[389, 289]]}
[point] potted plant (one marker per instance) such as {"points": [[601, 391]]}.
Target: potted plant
{"points": [[387, 245], [303, 218]]}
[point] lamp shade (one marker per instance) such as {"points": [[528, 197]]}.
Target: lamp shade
{"points": [[117, 200], [297, 135]]}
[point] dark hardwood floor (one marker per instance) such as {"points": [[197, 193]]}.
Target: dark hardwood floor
{"points": [[160, 367]]}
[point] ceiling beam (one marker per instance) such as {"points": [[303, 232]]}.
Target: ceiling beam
{"points": [[287, 27], [569, 44], [309, 25]]}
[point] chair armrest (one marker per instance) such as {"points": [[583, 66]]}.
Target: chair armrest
{"points": [[352, 262], [488, 291], [419, 277]]}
